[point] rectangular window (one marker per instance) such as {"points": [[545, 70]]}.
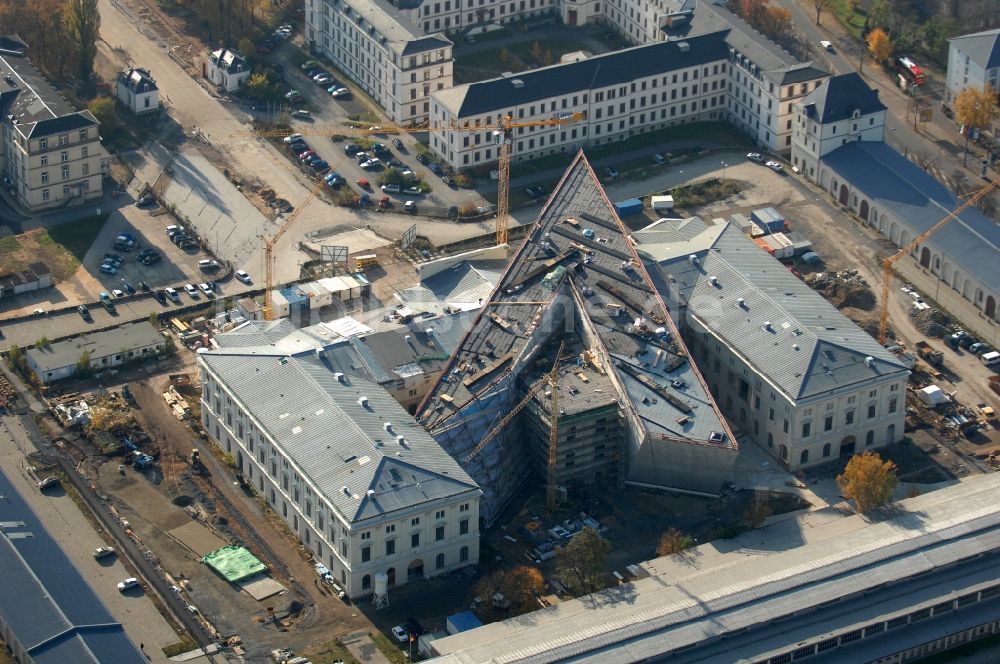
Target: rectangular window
{"points": [[45, 160], [439, 533], [366, 554], [414, 540], [849, 417], [45, 194], [806, 429], [463, 527], [415, 521], [45, 177], [64, 155], [390, 547], [65, 172], [828, 423], [871, 411]]}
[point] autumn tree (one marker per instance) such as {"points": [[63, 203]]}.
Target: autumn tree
{"points": [[673, 541], [518, 587], [819, 6], [84, 22], [868, 481], [103, 109], [83, 364], [879, 46], [584, 559], [975, 109]]}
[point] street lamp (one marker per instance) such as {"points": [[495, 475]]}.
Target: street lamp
{"points": [[724, 165]]}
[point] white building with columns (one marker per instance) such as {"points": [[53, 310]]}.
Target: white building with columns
{"points": [[361, 484]]}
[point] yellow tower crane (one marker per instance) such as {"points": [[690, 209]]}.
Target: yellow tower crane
{"points": [[883, 328], [269, 243], [503, 136]]}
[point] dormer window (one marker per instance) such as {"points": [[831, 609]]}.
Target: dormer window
{"points": [[856, 114]]}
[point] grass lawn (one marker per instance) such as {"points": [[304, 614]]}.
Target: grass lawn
{"points": [[330, 653], [61, 247], [853, 21], [389, 649], [514, 58]]}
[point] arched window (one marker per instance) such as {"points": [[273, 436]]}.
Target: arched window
{"points": [[783, 453], [804, 457], [366, 582], [463, 554], [869, 438], [439, 561], [826, 450]]}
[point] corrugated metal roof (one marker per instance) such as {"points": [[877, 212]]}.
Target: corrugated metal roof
{"points": [[126, 337], [893, 182], [807, 348], [45, 602], [334, 440]]}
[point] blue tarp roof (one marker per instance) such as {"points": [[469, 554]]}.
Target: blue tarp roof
{"points": [[464, 621]]}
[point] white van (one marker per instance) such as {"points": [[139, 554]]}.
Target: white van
{"points": [[990, 358]]}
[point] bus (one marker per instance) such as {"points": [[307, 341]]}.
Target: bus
{"points": [[909, 69]]}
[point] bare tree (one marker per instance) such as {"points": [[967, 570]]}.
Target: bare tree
{"points": [[819, 6]]}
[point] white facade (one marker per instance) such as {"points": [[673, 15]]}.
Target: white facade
{"points": [[845, 110], [378, 48], [454, 15], [807, 432], [973, 62], [137, 90], [227, 69], [106, 349], [405, 541]]}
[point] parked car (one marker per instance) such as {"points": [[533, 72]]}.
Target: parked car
{"points": [[380, 148], [208, 265], [117, 294], [108, 269], [48, 483], [129, 288], [143, 286], [84, 312], [323, 79], [400, 633], [610, 171], [144, 200], [827, 45], [302, 114], [341, 93], [128, 584], [410, 206], [160, 296], [173, 230], [351, 149], [308, 64], [755, 157], [362, 157], [391, 188], [242, 276], [413, 191], [207, 289], [363, 183], [292, 94], [103, 551], [191, 290], [372, 164], [306, 154], [397, 143], [421, 158], [659, 159], [172, 294], [774, 166], [319, 166], [384, 202], [536, 191], [291, 138], [151, 258]]}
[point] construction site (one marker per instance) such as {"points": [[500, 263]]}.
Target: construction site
{"points": [[576, 329]]}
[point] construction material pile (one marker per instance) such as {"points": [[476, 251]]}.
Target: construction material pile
{"points": [[845, 288], [931, 322]]}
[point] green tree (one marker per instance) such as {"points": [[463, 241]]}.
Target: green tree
{"points": [[84, 21], [935, 33], [245, 46], [154, 319], [258, 87], [868, 481], [104, 110], [878, 14], [83, 364], [393, 176], [975, 108], [584, 559], [536, 51], [673, 541]]}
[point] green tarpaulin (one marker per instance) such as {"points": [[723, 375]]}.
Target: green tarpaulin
{"points": [[234, 563]]}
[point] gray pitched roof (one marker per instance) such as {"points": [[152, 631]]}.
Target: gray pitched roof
{"points": [[230, 60], [46, 603], [388, 24], [790, 333], [775, 63], [342, 447], [98, 344], [596, 72], [983, 48], [839, 97], [891, 181], [137, 80], [37, 108]]}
